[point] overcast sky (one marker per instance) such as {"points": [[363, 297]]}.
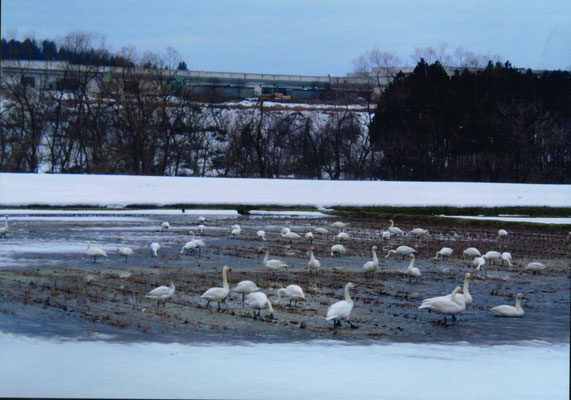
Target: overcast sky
{"points": [[310, 37]]}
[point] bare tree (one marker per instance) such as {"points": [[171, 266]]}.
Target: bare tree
{"points": [[432, 54], [376, 69], [22, 124]]}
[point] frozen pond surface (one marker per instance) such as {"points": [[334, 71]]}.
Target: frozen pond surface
{"points": [[324, 370]]}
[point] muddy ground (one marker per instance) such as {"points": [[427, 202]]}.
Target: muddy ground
{"points": [[62, 293]]}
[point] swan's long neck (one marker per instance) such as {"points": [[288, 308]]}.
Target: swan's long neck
{"points": [[389, 254], [312, 257], [375, 259], [281, 292], [267, 256], [270, 308], [347, 298], [466, 284], [88, 245], [453, 297], [411, 264], [224, 279], [392, 223], [518, 303], [192, 234], [172, 285]]}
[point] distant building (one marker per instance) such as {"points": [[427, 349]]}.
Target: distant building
{"points": [[57, 75]]}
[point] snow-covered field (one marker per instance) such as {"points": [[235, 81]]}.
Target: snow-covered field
{"points": [[322, 370], [115, 190]]}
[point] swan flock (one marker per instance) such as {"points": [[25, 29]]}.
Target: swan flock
{"points": [[448, 304]]}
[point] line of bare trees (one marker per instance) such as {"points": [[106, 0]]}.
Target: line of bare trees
{"points": [[142, 122], [495, 124]]}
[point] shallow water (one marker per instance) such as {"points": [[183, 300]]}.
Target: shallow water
{"points": [[385, 307]]}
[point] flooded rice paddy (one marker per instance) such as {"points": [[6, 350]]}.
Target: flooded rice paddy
{"points": [[50, 288]]}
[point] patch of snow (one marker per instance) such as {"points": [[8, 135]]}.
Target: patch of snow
{"points": [[10, 211], [75, 219], [102, 190], [313, 214], [517, 219], [281, 370]]}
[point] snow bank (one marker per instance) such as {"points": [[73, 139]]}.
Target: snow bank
{"points": [[120, 190], [48, 368]]}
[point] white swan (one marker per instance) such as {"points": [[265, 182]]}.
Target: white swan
{"points": [[402, 250], [162, 293], [464, 297], [313, 264], [444, 252], [509, 311], [290, 235], [4, 229], [259, 301], [343, 236], [386, 235], [201, 228], [507, 257], [321, 230], [261, 235], [193, 244], [371, 266], [165, 226], [309, 237], [471, 252], [411, 270], [502, 233], [492, 256], [274, 264], [418, 232], [479, 263], [393, 229], [94, 252], [342, 309], [294, 292], [535, 267], [244, 288], [338, 250], [339, 224], [218, 293], [155, 247], [188, 246], [445, 305], [125, 251], [235, 230], [201, 220]]}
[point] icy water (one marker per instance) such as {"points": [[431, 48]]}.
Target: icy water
{"points": [[316, 370]]}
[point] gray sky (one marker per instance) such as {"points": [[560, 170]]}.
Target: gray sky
{"points": [[310, 37]]}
